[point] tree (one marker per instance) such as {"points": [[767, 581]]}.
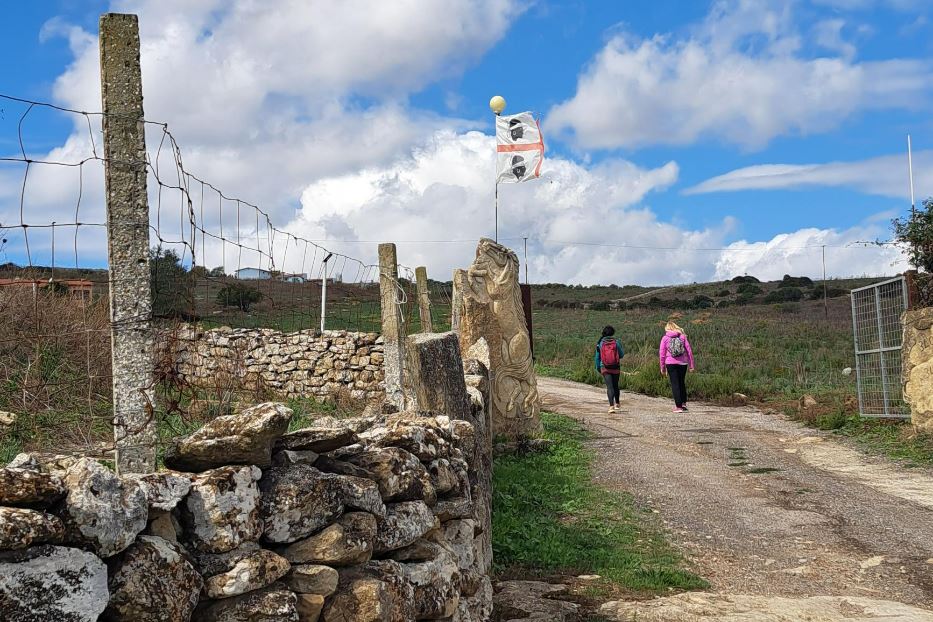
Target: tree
{"points": [[915, 236], [217, 272], [172, 291], [238, 295]]}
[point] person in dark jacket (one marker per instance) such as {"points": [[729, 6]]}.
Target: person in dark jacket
{"points": [[608, 361]]}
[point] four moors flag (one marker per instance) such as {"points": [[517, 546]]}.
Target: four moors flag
{"points": [[520, 148]]}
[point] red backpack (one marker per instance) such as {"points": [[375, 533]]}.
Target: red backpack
{"points": [[609, 354]]}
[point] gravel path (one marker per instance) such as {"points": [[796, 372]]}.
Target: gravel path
{"points": [[798, 514]]}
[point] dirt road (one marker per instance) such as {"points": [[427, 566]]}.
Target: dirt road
{"points": [[761, 505]]}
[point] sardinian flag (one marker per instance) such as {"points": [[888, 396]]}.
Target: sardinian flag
{"points": [[520, 148]]}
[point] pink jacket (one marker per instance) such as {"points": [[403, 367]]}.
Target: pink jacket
{"points": [[666, 358]]}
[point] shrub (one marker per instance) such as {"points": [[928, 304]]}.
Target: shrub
{"points": [[171, 284], [701, 302], [745, 279], [784, 294], [915, 236], [796, 281], [831, 292], [238, 295], [723, 293], [748, 288]]}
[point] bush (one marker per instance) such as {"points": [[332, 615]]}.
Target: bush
{"points": [[784, 294], [749, 288], [796, 281], [723, 293], [831, 292], [171, 284], [701, 302], [238, 295], [745, 279], [915, 236]]}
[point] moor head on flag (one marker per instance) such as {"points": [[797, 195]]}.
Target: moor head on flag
{"points": [[520, 148]]}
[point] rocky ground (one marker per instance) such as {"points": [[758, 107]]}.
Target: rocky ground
{"points": [[771, 513]]}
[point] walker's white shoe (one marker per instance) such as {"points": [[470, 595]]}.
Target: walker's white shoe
{"points": [[612, 410]]}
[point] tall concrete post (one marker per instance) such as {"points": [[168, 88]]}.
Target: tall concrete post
{"points": [[128, 243], [393, 330], [456, 299], [424, 299]]}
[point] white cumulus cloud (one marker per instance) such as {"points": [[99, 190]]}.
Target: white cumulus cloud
{"points": [[740, 77]]}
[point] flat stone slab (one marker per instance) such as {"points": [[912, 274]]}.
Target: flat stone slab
{"points": [[706, 607]]}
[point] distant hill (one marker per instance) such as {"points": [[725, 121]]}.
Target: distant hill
{"points": [[740, 291]]}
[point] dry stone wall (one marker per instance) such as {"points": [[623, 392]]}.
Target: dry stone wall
{"points": [[918, 366], [300, 364], [367, 519]]}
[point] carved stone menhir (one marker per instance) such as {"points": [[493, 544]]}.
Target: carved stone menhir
{"points": [[491, 309]]}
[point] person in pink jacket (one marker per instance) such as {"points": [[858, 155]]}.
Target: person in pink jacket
{"points": [[676, 356]]}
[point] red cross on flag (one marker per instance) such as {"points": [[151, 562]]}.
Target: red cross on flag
{"points": [[520, 148]]}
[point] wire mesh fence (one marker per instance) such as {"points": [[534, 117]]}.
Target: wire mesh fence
{"points": [[215, 261]]}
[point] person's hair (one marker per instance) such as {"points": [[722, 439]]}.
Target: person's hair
{"points": [[672, 325], [609, 331]]}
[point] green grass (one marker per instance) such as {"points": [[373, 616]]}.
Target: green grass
{"points": [[896, 441], [549, 518]]}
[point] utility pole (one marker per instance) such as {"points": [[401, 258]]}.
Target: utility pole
{"points": [[526, 259], [825, 300]]}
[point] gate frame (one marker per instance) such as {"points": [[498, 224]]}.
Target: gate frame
{"points": [[880, 350]]}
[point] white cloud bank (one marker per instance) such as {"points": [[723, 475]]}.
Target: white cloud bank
{"points": [[740, 77]]}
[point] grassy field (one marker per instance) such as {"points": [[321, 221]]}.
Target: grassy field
{"points": [[768, 352], [550, 520]]}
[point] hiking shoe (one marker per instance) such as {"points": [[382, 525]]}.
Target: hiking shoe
{"points": [[612, 410], [677, 409]]}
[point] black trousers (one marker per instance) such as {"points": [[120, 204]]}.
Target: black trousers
{"points": [[678, 376], [612, 388]]}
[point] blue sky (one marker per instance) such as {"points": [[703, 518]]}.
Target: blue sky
{"points": [[671, 123]]}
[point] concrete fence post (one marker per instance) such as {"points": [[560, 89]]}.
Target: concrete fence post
{"points": [[424, 299], [456, 299], [393, 330], [127, 243]]}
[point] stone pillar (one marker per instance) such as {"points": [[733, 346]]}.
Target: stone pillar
{"points": [[393, 330], [424, 299], [436, 377], [917, 355], [492, 310], [456, 300], [128, 243]]}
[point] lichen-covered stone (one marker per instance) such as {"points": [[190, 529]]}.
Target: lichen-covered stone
{"points": [[272, 604], [312, 579], [222, 509], [422, 591], [100, 510], [453, 508], [28, 487], [361, 600], [534, 600], [55, 464], [477, 606], [443, 476], [458, 537], [404, 524], [917, 355], [242, 570], [152, 581], [288, 457], [318, 439], [164, 489], [21, 528], [400, 475], [243, 438], [348, 541], [52, 583], [309, 607], [299, 500]]}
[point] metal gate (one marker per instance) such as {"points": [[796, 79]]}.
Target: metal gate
{"points": [[876, 323]]}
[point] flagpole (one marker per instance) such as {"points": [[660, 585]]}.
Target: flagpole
{"points": [[910, 174], [497, 105]]}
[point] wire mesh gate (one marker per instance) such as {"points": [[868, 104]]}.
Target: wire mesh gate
{"points": [[876, 323]]}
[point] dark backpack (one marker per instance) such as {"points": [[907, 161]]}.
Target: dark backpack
{"points": [[609, 354], [675, 347]]}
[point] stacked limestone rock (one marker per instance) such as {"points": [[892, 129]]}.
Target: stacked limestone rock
{"points": [[360, 519], [301, 364]]}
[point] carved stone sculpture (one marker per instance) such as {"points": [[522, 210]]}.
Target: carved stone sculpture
{"points": [[491, 308]]}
